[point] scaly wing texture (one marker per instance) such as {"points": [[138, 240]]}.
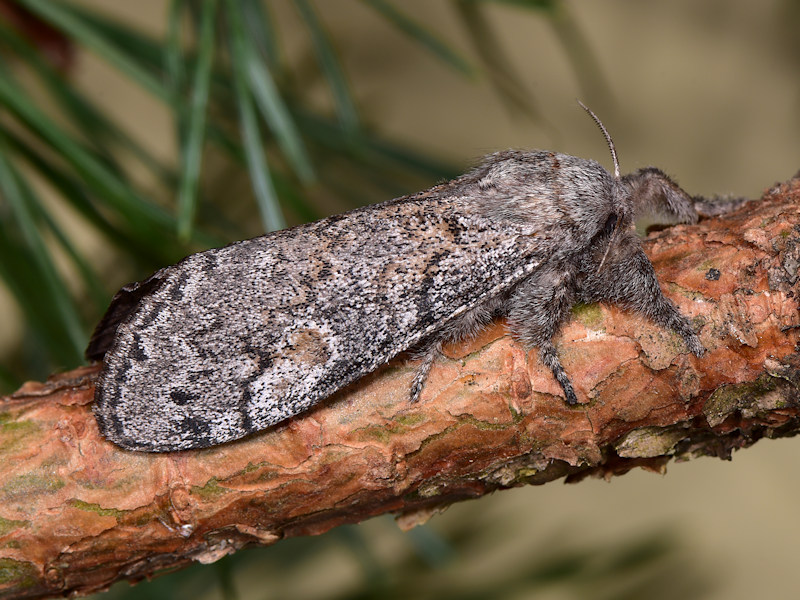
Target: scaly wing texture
{"points": [[236, 339]]}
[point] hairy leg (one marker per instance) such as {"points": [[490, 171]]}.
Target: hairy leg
{"points": [[653, 193], [536, 310], [466, 326], [717, 205], [428, 354], [628, 279]]}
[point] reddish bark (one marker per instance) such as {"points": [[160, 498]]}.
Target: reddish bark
{"points": [[77, 513]]}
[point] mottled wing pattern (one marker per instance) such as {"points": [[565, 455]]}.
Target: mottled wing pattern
{"points": [[236, 339]]}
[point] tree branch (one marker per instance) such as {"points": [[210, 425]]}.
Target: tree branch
{"points": [[78, 514]]}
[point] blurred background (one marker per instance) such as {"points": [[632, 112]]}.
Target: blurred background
{"points": [[134, 133]]}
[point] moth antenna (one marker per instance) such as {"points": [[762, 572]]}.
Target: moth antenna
{"points": [[609, 141]]}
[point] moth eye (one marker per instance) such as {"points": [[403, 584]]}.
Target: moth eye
{"points": [[610, 224]]}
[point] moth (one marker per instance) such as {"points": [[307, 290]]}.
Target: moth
{"points": [[233, 340]]}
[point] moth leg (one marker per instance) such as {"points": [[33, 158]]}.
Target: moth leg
{"points": [[549, 358], [627, 278], [717, 205], [653, 193], [536, 311], [659, 309], [428, 354], [466, 326]]}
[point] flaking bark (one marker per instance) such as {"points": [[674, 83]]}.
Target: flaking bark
{"points": [[78, 514]]}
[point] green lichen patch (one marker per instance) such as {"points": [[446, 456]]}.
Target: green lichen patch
{"points": [[530, 469], [31, 484], [266, 475], [399, 425], [467, 419], [748, 399], [679, 290], [96, 508], [649, 442], [17, 574], [376, 433], [590, 315], [212, 489], [409, 420], [19, 426], [334, 454], [706, 265], [9, 525], [251, 466], [13, 432], [429, 489], [516, 415]]}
